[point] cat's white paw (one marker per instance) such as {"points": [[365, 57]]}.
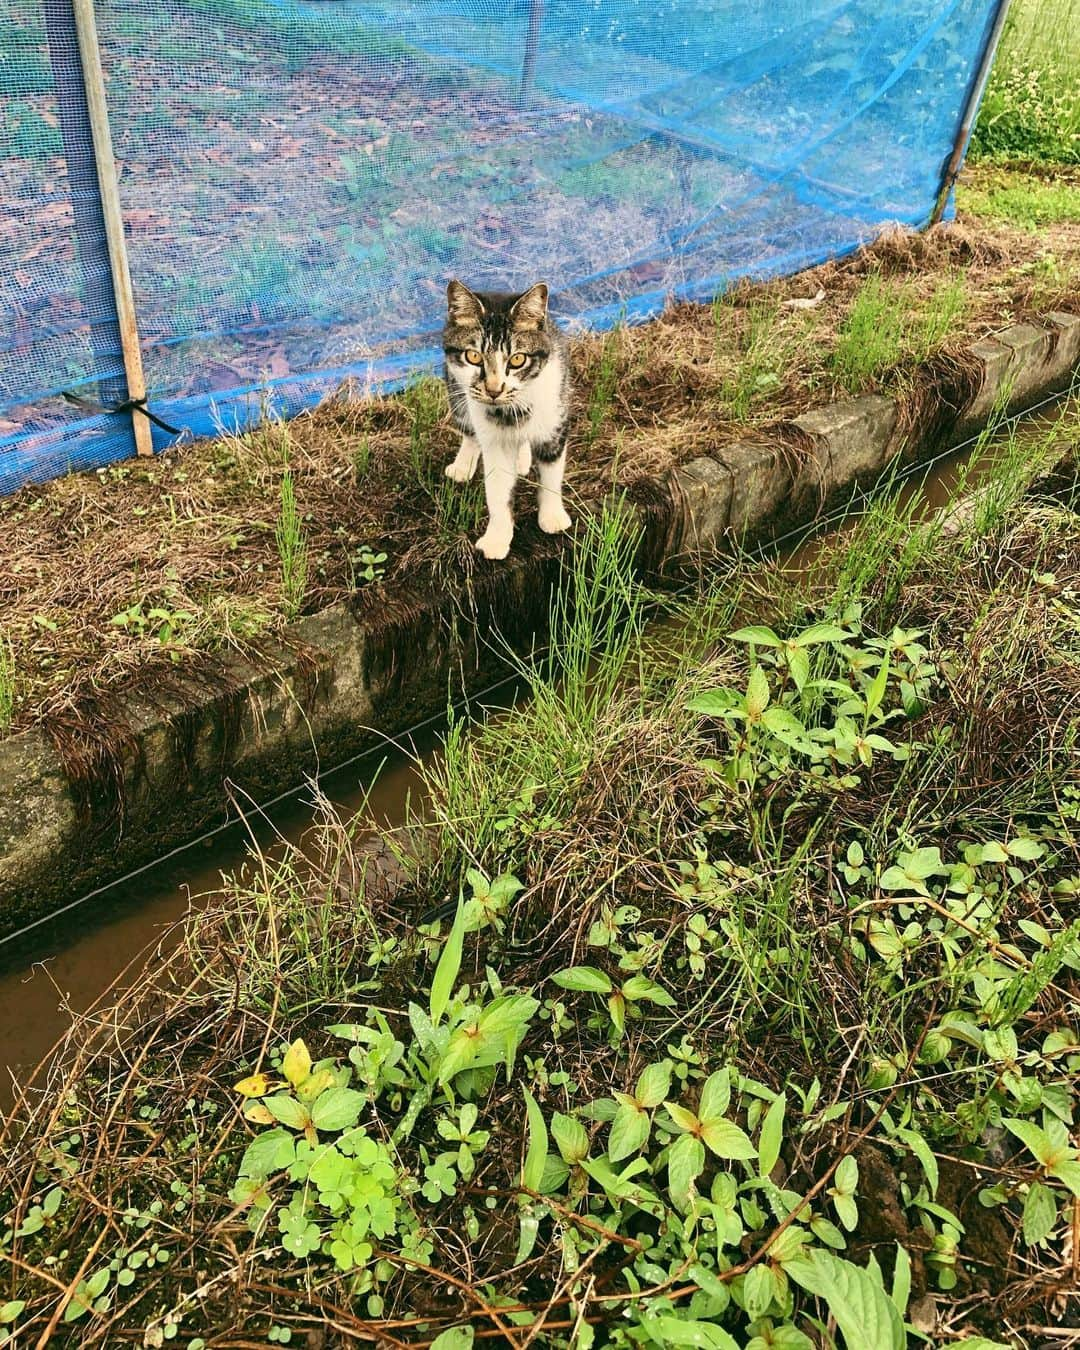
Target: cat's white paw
{"points": [[460, 470], [494, 544], [524, 461], [554, 519]]}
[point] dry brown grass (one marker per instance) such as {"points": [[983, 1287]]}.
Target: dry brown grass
{"points": [[193, 532]]}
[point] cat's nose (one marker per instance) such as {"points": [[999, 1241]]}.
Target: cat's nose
{"points": [[494, 389]]}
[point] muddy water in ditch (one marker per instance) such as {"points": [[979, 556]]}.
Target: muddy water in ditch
{"points": [[61, 968]]}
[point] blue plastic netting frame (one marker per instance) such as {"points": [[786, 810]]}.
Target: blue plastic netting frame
{"points": [[301, 177]]}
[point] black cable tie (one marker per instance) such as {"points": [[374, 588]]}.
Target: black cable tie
{"points": [[128, 405]]}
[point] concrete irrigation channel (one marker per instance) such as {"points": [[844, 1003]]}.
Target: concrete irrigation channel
{"points": [[187, 767]]}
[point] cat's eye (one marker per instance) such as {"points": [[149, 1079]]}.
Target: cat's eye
{"points": [[474, 358], [517, 360]]}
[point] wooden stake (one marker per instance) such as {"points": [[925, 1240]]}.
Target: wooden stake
{"points": [[86, 27]]}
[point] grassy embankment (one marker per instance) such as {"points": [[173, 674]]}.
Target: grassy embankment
{"points": [[730, 997]]}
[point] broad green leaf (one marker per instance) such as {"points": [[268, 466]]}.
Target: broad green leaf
{"points": [[629, 1130], [449, 966], [288, 1110], [994, 853], [462, 1050], [622, 1186], [296, 1066], [820, 632], [1027, 849], [715, 703], [555, 1173], [1040, 1213], [875, 695], [758, 1291], [867, 1317], [727, 1140], [847, 1211], [654, 1084], [711, 1284], [764, 637], [923, 863], [585, 979], [846, 1177], [510, 1012], [571, 1138], [901, 1283], [715, 1096], [454, 1338], [677, 1331], [270, 1152], [790, 1244], [772, 1136], [798, 663], [10, 1311], [337, 1109], [532, 1171], [1068, 1171], [1037, 1140], [786, 727], [925, 1155], [686, 1161], [826, 1231], [640, 989], [757, 693], [529, 1229]]}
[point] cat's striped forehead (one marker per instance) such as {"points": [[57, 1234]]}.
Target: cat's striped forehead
{"points": [[496, 329]]}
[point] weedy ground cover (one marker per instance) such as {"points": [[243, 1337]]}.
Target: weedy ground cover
{"points": [[1031, 111], [726, 994]]}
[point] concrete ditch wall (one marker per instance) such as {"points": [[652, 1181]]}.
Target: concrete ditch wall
{"points": [[338, 684]]}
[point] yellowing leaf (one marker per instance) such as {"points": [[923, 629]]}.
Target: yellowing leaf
{"points": [[296, 1066], [258, 1085], [757, 694], [314, 1084], [684, 1120], [260, 1114]]}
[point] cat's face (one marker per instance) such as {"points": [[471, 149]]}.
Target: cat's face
{"points": [[496, 345]]}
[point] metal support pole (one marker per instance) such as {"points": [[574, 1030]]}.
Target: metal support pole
{"points": [[971, 108], [532, 50], [109, 188]]}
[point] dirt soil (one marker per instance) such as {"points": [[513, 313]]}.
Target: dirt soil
{"points": [[139, 571]]}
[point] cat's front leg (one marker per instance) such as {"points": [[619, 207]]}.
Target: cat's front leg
{"points": [[500, 475], [524, 461], [465, 461], [553, 517]]}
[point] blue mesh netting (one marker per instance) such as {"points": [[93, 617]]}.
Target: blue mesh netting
{"points": [[299, 180]]}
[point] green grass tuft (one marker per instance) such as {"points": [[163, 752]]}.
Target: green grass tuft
{"points": [[762, 354], [292, 549], [871, 338], [1019, 199], [7, 685]]}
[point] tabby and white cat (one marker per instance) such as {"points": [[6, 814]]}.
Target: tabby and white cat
{"points": [[509, 381]]}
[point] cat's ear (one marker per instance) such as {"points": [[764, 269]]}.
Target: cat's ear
{"points": [[465, 308], [530, 309]]}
